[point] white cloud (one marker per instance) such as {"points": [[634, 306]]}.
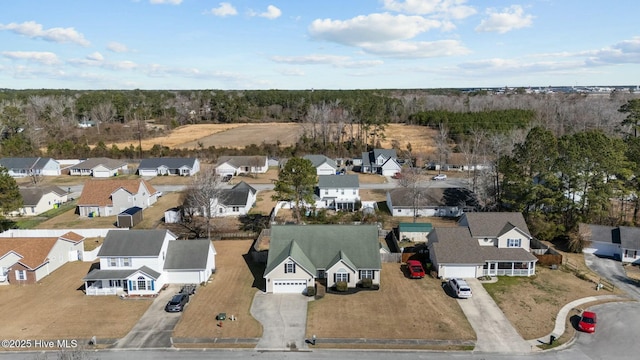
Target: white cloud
{"points": [[35, 30], [333, 60], [225, 9], [171, 2], [509, 19], [292, 72], [117, 47], [42, 57], [371, 28], [96, 56], [624, 52], [417, 49], [455, 9], [271, 13]]}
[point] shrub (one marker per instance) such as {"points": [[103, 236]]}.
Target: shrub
{"points": [[366, 283], [341, 286], [311, 291]]}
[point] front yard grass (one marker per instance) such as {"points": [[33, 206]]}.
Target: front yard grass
{"points": [[401, 309], [230, 291], [57, 308], [532, 303]]}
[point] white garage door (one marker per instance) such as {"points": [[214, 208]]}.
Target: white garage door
{"points": [[603, 249], [183, 277], [451, 271], [289, 286]]}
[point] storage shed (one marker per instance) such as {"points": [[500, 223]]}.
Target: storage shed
{"points": [[130, 217]]}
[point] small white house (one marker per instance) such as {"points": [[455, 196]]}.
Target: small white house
{"points": [[338, 192]]}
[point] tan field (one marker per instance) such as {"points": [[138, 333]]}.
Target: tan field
{"points": [[242, 135]]}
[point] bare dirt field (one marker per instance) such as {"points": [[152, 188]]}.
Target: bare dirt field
{"points": [[231, 291], [242, 135], [55, 308], [402, 308]]}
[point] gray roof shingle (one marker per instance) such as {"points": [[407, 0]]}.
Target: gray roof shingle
{"points": [[350, 181], [93, 162], [187, 255], [454, 245], [318, 160], [31, 196], [99, 274], [492, 224], [171, 163], [133, 243]]}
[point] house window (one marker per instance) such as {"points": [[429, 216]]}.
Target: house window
{"points": [[126, 262], [142, 283], [113, 262], [221, 210], [290, 268], [342, 277], [366, 274], [514, 242], [354, 191], [326, 191], [235, 209], [341, 191], [21, 274]]}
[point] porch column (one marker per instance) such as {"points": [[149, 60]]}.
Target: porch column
{"points": [[513, 267]]}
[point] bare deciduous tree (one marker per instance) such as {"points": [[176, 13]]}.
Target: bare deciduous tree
{"points": [[200, 201]]}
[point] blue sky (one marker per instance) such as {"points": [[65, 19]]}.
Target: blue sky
{"points": [[327, 44]]}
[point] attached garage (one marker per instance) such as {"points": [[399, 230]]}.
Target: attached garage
{"points": [[289, 286], [457, 271], [184, 277], [603, 249]]}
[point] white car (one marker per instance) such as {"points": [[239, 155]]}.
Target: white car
{"points": [[460, 288], [440, 177]]}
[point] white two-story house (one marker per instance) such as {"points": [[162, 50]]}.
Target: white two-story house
{"points": [[380, 161], [338, 192], [141, 262], [111, 197], [484, 243]]}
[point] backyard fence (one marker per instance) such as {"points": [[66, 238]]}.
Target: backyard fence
{"points": [[599, 282]]}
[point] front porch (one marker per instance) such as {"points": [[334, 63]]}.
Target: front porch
{"points": [[143, 281], [509, 268]]}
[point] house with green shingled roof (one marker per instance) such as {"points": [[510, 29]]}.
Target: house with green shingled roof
{"points": [[301, 254]]}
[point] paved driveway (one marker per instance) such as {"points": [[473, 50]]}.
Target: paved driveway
{"points": [[154, 328], [612, 270], [493, 331], [283, 318]]}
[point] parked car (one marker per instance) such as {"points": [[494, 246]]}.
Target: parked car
{"points": [[460, 288], [587, 322], [416, 271], [397, 175], [440, 177], [177, 303], [226, 178]]}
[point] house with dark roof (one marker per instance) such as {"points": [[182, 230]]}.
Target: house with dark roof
{"points": [[27, 260], [323, 164], [36, 200], [98, 167], [236, 165], [338, 192], [300, 255], [483, 243], [113, 196], [380, 161], [169, 166], [441, 202], [141, 262], [236, 201], [34, 166], [618, 242]]}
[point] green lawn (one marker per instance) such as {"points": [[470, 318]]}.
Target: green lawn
{"points": [[31, 223]]}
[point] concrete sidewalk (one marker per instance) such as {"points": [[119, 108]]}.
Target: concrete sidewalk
{"points": [[560, 325]]}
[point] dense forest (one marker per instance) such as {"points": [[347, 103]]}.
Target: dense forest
{"points": [[560, 158]]}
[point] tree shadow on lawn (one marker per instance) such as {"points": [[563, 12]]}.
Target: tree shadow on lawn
{"points": [[257, 270]]}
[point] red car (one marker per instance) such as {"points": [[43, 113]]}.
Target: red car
{"points": [[588, 322], [416, 271]]}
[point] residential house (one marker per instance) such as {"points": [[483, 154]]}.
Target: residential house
{"points": [[236, 165], [414, 232], [338, 192], [141, 262], [489, 243], [621, 242], [98, 167], [34, 166], [441, 202], [236, 201], [323, 164], [111, 197], [37, 200], [380, 161], [300, 255], [169, 166], [27, 260]]}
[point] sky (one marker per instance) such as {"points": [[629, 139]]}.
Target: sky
{"points": [[317, 44]]}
